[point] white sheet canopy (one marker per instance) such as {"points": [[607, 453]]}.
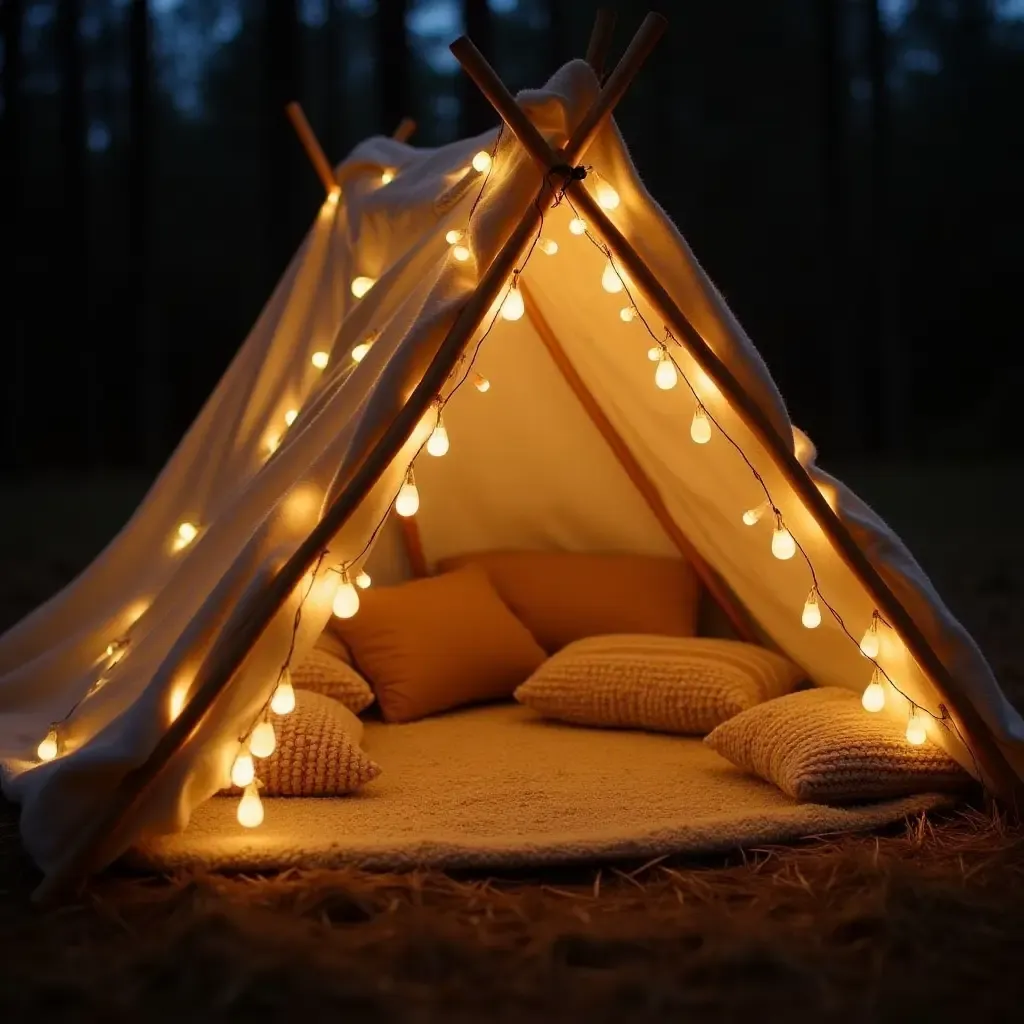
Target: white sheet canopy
{"points": [[527, 469]]}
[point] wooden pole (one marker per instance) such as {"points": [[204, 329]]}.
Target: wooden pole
{"points": [[312, 147], [99, 838], [1001, 777], [601, 40], [404, 131]]}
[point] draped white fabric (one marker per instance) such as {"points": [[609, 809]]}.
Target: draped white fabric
{"points": [[526, 469]]}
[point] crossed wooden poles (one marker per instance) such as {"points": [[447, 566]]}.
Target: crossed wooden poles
{"points": [[375, 449]]}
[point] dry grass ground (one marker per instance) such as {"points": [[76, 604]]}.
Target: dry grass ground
{"points": [[926, 921]]}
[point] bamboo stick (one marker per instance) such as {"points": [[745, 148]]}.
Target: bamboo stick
{"points": [[87, 852], [404, 131], [1002, 778], [601, 40], [646, 488], [312, 146]]}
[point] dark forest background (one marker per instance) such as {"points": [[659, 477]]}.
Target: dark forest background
{"points": [[849, 171]]}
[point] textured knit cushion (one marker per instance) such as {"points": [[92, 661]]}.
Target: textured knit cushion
{"points": [[324, 672], [317, 752], [821, 745], [664, 684], [562, 596], [438, 643]]}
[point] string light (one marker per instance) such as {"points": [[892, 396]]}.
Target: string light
{"points": [[243, 771], [700, 426], [387, 177], [461, 253], [361, 285], [873, 698], [513, 307], [291, 416], [917, 728], [811, 616], [453, 235], [548, 246], [273, 443], [654, 353], [783, 544], [437, 443], [360, 351], [408, 501], [753, 515], [869, 644], [320, 360], [250, 807], [481, 383], [333, 196], [187, 532], [482, 162], [346, 598], [363, 580], [263, 740], [578, 226], [611, 282], [665, 375], [627, 314], [49, 747], [283, 701], [607, 197]]}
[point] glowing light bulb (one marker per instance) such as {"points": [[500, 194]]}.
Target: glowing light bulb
{"points": [[361, 285], [250, 807], [360, 351], [453, 235], [283, 701], [578, 226], [869, 645], [363, 580], [333, 196], [408, 501], [783, 545], [437, 443], [811, 616], [700, 426], [263, 740], [610, 280], [548, 246], [291, 416], [513, 307], [607, 197], [753, 515], [665, 375], [917, 730], [481, 383], [320, 360], [243, 771], [187, 532], [273, 443], [627, 314], [654, 353], [346, 599], [47, 749], [482, 162], [387, 177], [461, 253], [873, 698]]}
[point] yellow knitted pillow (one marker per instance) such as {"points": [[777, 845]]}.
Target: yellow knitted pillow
{"points": [[317, 752], [324, 672], [666, 684], [820, 745]]}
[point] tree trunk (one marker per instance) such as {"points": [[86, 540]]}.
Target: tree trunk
{"points": [[282, 154], [73, 247], [477, 113], [890, 400], [394, 62], [844, 361], [12, 15], [145, 330]]}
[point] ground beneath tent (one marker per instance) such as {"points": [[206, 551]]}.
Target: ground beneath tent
{"points": [[923, 921], [499, 787]]}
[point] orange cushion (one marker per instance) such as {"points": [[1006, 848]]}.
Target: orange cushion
{"points": [[438, 643], [563, 596]]}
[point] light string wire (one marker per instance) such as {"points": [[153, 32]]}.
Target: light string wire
{"points": [[944, 718]]}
